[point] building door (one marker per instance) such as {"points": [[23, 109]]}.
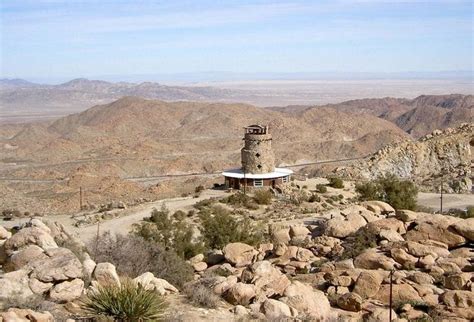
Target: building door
{"points": [[273, 184]]}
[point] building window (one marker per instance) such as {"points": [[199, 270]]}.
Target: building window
{"points": [[257, 155], [259, 166], [258, 182], [285, 179]]}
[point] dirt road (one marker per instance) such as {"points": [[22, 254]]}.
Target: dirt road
{"points": [[431, 200]]}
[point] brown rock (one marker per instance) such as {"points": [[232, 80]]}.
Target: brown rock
{"points": [[350, 302], [200, 266], [274, 309], [306, 300], [368, 284], [67, 291], [458, 281], [29, 236], [61, 265], [105, 273], [401, 293], [462, 299], [240, 293], [465, 228], [372, 259], [24, 256], [431, 231], [239, 254]]}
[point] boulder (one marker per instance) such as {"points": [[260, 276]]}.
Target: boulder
{"points": [[14, 285], [380, 315], [225, 285], [150, 282], [240, 293], [390, 235], [281, 236], [465, 228], [401, 293], [214, 257], [18, 315], [196, 259], [304, 255], [299, 232], [307, 300], [4, 234], [88, 267], [458, 281], [61, 265], [392, 224], [200, 266], [406, 215], [350, 302], [462, 299], [239, 254], [39, 287], [420, 250], [67, 291], [25, 256], [105, 273], [29, 236], [274, 310], [372, 259], [342, 228], [378, 207], [267, 279], [36, 222], [432, 231], [368, 283], [402, 257]]}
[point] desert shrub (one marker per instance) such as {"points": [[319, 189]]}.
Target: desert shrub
{"points": [[400, 194], [314, 198], [173, 232], [201, 294], [127, 302], [204, 203], [219, 227], [133, 255], [468, 213], [356, 244], [199, 189], [336, 182], [321, 188], [240, 200], [263, 197]]}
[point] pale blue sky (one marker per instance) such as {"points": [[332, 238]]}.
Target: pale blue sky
{"points": [[86, 38]]}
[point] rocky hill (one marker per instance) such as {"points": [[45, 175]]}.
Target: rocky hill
{"points": [[444, 154], [134, 137]]}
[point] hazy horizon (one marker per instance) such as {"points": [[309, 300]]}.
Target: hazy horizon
{"points": [[57, 40]]}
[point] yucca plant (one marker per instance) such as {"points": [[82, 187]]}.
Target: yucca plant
{"points": [[128, 302]]}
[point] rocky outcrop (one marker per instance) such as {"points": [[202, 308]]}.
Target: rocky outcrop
{"points": [[448, 151]]}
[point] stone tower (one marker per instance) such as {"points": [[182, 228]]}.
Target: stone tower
{"points": [[257, 153]]}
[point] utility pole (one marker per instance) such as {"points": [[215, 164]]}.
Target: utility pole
{"points": [[391, 295], [80, 199], [441, 197]]}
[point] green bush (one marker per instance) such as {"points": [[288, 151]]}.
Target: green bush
{"points": [[173, 232], [321, 188], [218, 228], [336, 182], [263, 197], [204, 203], [357, 243], [133, 255], [128, 302], [400, 194], [240, 199]]}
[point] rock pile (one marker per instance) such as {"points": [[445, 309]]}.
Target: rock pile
{"points": [[36, 268], [306, 273]]}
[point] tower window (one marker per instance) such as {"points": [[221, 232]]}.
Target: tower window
{"points": [[259, 166], [257, 155]]}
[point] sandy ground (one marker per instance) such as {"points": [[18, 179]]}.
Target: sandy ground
{"points": [[131, 216], [460, 201]]}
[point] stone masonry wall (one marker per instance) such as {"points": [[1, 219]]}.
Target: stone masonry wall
{"points": [[257, 154]]}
